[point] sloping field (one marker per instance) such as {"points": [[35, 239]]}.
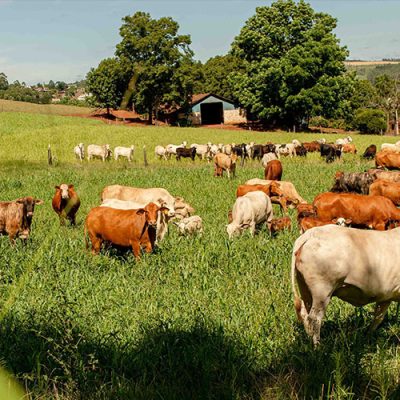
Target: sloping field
{"points": [[203, 317], [50, 109]]}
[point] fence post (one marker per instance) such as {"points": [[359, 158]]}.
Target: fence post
{"points": [[146, 164], [49, 156]]}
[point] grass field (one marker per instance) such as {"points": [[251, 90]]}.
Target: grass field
{"points": [[203, 317]]}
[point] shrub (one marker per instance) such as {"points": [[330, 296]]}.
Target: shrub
{"points": [[370, 120], [319, 121]]}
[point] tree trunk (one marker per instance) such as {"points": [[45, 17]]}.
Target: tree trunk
{"points": [[131, 87], [150, 120], [387, 123], [108, 111], [396, 123]]}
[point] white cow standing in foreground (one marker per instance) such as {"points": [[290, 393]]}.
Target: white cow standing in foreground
{"points": [[249, 211], [366, 270], [126, 152]]}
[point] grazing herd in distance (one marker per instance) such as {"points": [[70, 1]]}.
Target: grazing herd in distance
{"points": [[138, 218]]}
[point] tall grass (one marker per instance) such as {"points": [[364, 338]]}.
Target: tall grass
{"points": [[203, 317]]}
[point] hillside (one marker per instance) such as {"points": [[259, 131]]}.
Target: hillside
{"points": [[371, 69]]}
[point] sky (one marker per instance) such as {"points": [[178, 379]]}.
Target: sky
{"points": [[62, 39]]}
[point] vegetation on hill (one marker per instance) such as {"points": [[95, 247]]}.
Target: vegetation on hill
{"points": [[371, 72]]}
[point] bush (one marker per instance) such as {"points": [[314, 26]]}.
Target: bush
{"points": [[319, 121], [370, 120]]}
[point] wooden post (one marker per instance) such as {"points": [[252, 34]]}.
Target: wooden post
{"points": [[49, 156], [242, 161], [146, 164]]}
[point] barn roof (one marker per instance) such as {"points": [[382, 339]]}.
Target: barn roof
{"points": [[198, 98]]}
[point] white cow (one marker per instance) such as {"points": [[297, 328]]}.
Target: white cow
{"points": [[79, 152], [367, 272], [124, 152], [249, 149], [249, 211], [344, 141], [267, 157], [104, 152], [288, 149], [321, 141], [161, 152], [390, 146], [202, 150], [171, 148], [296, 142], [227, 149], [190, 225]]}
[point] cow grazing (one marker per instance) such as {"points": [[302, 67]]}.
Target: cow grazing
{"points": [[171, 148], [357, 182], [288, 190], [373, 212], [369, 152], [95, 151], [182, 208], [185, 153], [79, 152], [392, 176], [250, 210], [16, 217], [367, 272], [66, 203], [301, 151], [305, 210], [330, 152], [202, 150], [311, 147], [342, 142], [126, 152], [267, 157], [307, 223], [240, 150], [273, 170], [159, 196], [124, 228], [260, 150], [161, 152], [288, 149], [222, 162], [280, 224], [389, 160], [349, 148], [190, 225], [390, 190]]}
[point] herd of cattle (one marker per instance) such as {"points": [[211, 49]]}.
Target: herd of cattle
{"points": [[364, 271]]}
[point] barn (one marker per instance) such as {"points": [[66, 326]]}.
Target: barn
{"points": [[211, 109]]}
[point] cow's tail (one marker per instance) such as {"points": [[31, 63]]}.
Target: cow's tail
{"points": [[85, 235], [298, 302]]}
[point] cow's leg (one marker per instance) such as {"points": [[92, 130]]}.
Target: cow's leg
{"points": [[228, 172], [136, 249], [253, 228], [314, 320], [379, 314], [96, 243]]}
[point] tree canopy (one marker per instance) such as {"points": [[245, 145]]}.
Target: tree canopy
{"points": [[291, 61]]}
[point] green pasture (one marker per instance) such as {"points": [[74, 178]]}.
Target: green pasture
{"points": [[203, 317]]}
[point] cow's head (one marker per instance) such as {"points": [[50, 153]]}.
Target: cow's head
{"points": [[28, 204], [234, 157], [232, 230], [151, 213], [64, 190], [342, 221]]}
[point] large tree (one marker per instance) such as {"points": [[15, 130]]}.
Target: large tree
{"points": [[291, 59], [107, 83], [155, 52]]}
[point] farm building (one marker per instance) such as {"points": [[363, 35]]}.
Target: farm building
{"points": [[209, 109]]}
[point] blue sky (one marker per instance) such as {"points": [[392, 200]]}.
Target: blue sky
{"points": [[62, 39]]}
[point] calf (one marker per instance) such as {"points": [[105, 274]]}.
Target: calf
{"points": [[222, 162], [370, 152], [125, 228], [312, 146], [161, 152], [330, 152], [190, 225], [301, 151], [79, 152], [240, 150], [66, 203], [126, 152], [185, 153], [349, 148], [273, 170], [249, 211], [288, 149], [16, 217], [307, 223], [280, 224], [390, 190]]}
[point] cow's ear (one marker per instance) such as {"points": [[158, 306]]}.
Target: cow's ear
{"points": [[56, 187], [38, 202], [70, 186], [140, 211], [164, 210], [161, 201], [335, 220], [21, 200], [348, 221]]}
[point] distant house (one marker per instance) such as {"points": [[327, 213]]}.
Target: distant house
{"points": [[210, 109]]}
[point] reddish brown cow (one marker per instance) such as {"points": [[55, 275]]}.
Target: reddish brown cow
{"points": [[66, 203], [305, 210], [312, 146], [16, 217], [273, 170], [125, 228], [387, 159], [382, 187], [272, 190], [365, 211], [349, 148], [280, 224], [307, 223]]}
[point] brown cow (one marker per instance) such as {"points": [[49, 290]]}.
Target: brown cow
{"points": [[392, 176], [272, 190], [388, 189], [312, 146], [349, 148], [387, 159], [222, 162], [280, 224], [365, 211], [16, 217], [305, 210], [66, 203], [273, 170], [307, 223], [125, 228]]}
